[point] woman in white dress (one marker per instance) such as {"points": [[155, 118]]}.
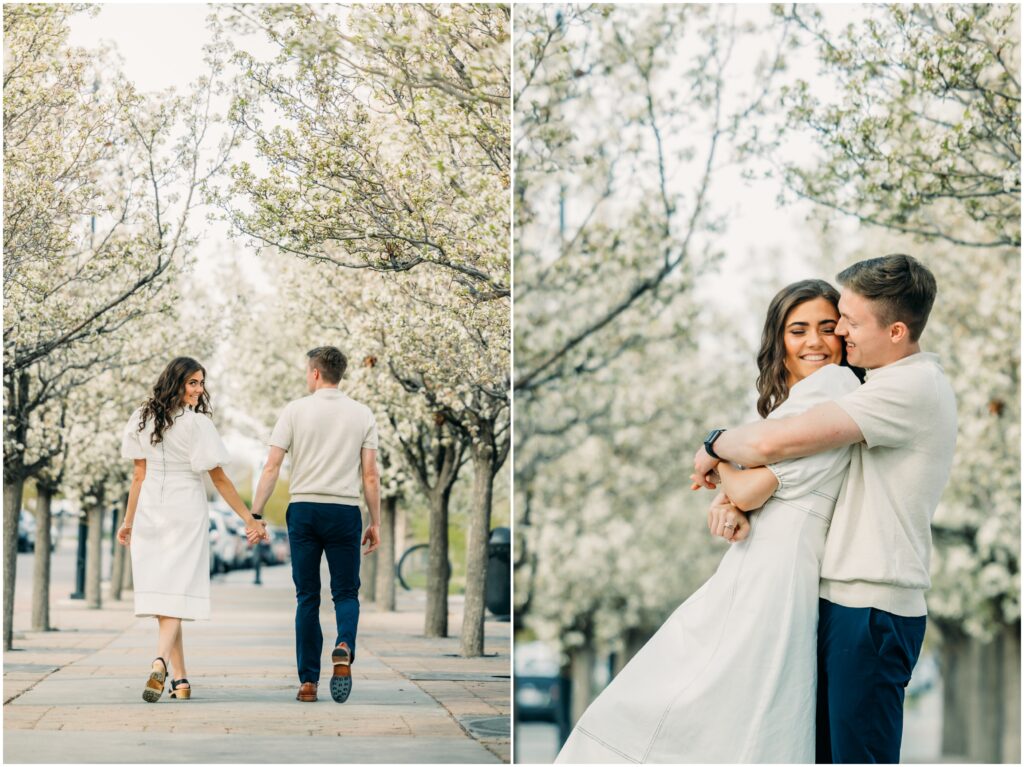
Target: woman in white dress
{"points": [[731, 675], [173, 441]]}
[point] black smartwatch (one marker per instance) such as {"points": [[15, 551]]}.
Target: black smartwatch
{"points": [[260, 516], [709, 443]]}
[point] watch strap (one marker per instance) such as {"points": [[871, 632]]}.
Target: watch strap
{"points": [[709, 443]]}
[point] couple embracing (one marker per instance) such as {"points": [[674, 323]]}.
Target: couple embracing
{"points": [[332, 440], [800, 646]]}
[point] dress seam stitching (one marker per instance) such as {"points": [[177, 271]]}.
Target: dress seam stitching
{"points": [[609, 746]]}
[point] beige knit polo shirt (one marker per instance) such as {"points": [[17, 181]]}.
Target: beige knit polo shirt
{"points": [[324, 434], [878, 549]]}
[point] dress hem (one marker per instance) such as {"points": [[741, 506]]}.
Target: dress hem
{"points": [[184, 606]]}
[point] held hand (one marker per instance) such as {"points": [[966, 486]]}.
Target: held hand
{"points": [[703, 465], [371, 538], [711, 477], [124, 535], [255, 531], [726, 521]]}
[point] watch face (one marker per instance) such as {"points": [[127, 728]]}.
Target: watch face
{"points": [[709, 442]]}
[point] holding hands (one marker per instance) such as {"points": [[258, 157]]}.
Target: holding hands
{"points": [[256, 530], [711, 480], [704, 474], [726, 521]]}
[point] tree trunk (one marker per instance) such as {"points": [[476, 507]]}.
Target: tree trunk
{"points": [[401, 537], [633, 641], [94, 556], [120, 553], [41, 559], [956, 680], [472, 636], [436, 619], [581, 665], [1011, 695], [435, 459], [13, 489], [386, 555], [127, 583], [368, 570], [984, 731]]}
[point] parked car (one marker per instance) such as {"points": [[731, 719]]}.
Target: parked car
{"points": [[266, 553], [278, 547], [537, 683], [26, 531], [243, 553], [215, 566], [223, 544]]}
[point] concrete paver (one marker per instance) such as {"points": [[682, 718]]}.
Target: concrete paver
{"points": [[74, 695]]}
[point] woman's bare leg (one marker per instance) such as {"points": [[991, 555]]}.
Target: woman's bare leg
{"points": [[177, 658], [169, 630]]}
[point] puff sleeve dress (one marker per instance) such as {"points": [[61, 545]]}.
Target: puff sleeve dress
{"points": [[170, 535], [731, 676]]}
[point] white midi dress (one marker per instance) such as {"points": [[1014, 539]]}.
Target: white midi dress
{"points": [[731, 676], [170, 547]]}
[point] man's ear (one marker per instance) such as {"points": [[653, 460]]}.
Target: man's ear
{"points": [[899, 332]]}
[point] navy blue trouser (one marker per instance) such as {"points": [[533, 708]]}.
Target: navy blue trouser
{"points": [[315, 529], [865, 658]]}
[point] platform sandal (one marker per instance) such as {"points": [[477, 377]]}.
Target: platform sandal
{"points": [[181, 694], [155, 683]]}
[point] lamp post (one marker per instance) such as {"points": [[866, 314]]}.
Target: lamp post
{"points": [[83, 532]]}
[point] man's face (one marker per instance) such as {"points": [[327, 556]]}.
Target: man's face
{"points": [[868, 343], [310, 378]]}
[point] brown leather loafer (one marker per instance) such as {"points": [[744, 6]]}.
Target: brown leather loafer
{"points": [[307, 692], [341, 682]]}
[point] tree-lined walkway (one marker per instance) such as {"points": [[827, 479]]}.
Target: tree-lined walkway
{"points": [[75, 694]]}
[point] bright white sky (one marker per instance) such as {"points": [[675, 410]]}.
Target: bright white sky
{"points": [[162, 45]]}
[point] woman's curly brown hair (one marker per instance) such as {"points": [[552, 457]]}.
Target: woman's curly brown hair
{"points": [[165, 402]]}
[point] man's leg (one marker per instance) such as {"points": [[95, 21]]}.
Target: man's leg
{"points": [[306, 554], [341, 527], [869, 657]]}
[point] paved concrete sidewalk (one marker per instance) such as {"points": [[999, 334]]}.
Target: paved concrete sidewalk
{"points": [[75, 695]]}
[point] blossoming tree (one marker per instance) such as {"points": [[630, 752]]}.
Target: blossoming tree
{"points": [[100, 184]]}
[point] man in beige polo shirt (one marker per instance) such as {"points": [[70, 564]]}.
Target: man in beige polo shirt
{"points": [[902, 423], [332, 440]]}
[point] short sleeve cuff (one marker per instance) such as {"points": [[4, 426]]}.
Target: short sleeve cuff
{"points": [[852, 409], [370, 440], [208, 450], [131, 447], [281, 436]]}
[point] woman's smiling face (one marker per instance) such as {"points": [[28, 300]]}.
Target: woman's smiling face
{"points": [[193, 388], [809, 335]]}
